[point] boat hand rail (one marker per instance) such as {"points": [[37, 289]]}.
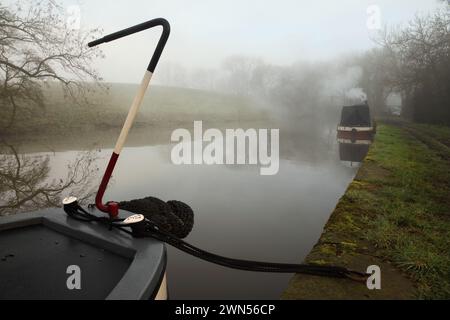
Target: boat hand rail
{"points": [[138, 28], [112, 208]]}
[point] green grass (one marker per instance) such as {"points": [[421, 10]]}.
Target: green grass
{"points": [[440, 133], [395, 213], [408, 212]]}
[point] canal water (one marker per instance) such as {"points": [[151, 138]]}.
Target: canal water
{"points": [[238, 212]]}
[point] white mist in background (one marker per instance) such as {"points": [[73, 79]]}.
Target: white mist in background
{"points": [[356, 95], [73, 20], [374, 18]]}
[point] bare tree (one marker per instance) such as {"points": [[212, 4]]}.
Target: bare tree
{"points": [[37, 48], [422, 74], [378, 77]]}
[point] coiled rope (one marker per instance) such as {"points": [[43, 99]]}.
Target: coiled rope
{"points": [[174, 217]]}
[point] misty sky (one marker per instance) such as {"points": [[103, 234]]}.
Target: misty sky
{"points": [[204, 32]]}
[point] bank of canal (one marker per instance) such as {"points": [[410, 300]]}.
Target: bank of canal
{"points": [[395, 214]]}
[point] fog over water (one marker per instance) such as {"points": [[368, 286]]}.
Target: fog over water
{"points": [[238, 212], [289, 65]]}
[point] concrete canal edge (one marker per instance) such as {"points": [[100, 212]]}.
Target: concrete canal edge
{"points": [[345, 241]]}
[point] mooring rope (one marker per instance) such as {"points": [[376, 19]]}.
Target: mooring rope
{"points": [[170, 222]]}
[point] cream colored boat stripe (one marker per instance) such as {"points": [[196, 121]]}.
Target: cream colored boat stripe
{"points": [[358, 129]]}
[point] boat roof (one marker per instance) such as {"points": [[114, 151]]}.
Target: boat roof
{"points": [[356, 116], [37, 248]]}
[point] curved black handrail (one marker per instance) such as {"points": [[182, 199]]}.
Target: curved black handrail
{"points": [[138, 28], [112, 208]]}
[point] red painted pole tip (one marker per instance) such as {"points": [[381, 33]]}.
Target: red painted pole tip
{"points": [[110, 208]]}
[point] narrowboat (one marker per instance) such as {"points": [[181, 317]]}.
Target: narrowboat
{"points": [[46, 255], [356, 125], [50, 255]]}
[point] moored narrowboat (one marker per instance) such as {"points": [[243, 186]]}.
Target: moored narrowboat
{"points": [[357, 125]]}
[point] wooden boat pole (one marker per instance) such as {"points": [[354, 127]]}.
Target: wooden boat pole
{"points": [[112, 208]]}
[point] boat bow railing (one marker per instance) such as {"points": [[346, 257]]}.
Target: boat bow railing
{"points": [[112, 208]]}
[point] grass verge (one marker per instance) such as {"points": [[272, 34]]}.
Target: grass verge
{"points": [[397, 212]]}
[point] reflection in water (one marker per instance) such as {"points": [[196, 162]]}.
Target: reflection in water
{"points": [[238, 212], [26, 183], [353, 147], [353, 154]]}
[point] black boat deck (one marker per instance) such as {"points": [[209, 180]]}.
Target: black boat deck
{"points": [[36, 250]]}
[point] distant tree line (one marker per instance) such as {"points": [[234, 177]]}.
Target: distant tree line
{"points": [[412, 62], [38, 48]]}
